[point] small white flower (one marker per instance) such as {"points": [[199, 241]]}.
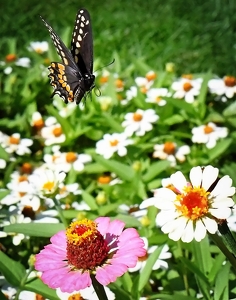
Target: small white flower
{"points": [[225, 86], [187, 89], [208, 134], [155, 95], [112, 143], [39, 47], [171, 152], [139, 122], [160, 262], [46, 182], [23, 62], [3, 163], [15, 144], [37, 120], [52, 132], [8, 70], [190, 209], [65, 190]]}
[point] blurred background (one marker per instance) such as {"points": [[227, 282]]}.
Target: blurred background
{"points": [[195, 35]]}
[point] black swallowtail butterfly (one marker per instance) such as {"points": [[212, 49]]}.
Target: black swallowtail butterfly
{"points": [[73, 78]]}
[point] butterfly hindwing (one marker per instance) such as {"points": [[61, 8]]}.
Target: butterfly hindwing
{"points": [[73, 78]]}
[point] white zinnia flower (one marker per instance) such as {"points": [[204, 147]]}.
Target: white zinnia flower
{"points": [[190, 209], [225, 86], [39, 47], [208, 134], [139, 122]]}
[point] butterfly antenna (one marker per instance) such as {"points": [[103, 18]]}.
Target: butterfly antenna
{"points": [[106, 65]]}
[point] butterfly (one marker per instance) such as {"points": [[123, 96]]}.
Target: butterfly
{"points": [[73, 78]]}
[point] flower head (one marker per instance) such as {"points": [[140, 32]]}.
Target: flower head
{"points": [[194, 207], [52, 132], [155, 95], [15, 143], [208, 134], [225, 86], [99, 247], [187, 88], [139, 122], [112, 143], [39, 47]]}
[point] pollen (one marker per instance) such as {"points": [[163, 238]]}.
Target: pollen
{"points": [[49, 186], [57, 131], [187, 86], [86, 247], [14, 141], [114, 143], [169, 148], [208, 129], [230, 81], [71, 157], [193, 203], [137, 117]]}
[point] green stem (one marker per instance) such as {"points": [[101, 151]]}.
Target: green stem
{"points": [[22, 283], [60, 212], [99, 289]]}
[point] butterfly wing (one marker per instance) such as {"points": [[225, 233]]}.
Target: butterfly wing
{"points": [[82, 42]]}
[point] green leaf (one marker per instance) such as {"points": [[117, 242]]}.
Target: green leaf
{"points": [[3, 154], [38, 287], [230, 111], [112, 123], [155, 169], [13, 271], [219, 149], [35, 229], [222, 283], [128, 220], [147, 270], [121, 170], [90, 200]]}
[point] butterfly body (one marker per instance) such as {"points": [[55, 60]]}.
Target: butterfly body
{"points": [[73, 78]]}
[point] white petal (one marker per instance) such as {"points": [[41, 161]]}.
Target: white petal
{"points": [[200, 231], [195, 176], [148, 202], [209, 176], [223, 187], [221, 213], [178, 180], [188, 233], [210, 224]]}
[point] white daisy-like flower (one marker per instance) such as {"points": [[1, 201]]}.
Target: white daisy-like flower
{"points": [[52, 132], [23, 62], [3, 163], [65, 190], [171, 152], [8, 70], [187, 89], [14, 143], [155, 95], [46, 182], [225, 86], [39, 47], [37, 121], [160, 262], [144, 83], [111, 143], [87, 293], [195, 207], [67, 160], [139, 122], [208, 134], [231, 221]]}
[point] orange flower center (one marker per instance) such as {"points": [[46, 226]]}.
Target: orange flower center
{"points": [[187, 86], [86, 247], [230, 81], [76, 296], [10, 57], [137, 117], [22, 194], [38, 124], [22, 178], [187, 76], [105, 179], [119, 83], [14, 141], [151, 76], [26, 168], [57, 131], [158, 99], [193, 203], [143, 90], [114, 143], [169, 148], [71, 157], [103, 79], [208, 129]]}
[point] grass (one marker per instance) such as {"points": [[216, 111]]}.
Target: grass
{"points": [[195, 35]]}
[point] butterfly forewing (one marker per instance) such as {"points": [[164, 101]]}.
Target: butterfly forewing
{"points": [[82, 41], [73, 78]]}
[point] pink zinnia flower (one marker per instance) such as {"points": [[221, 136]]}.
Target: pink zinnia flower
{"points": [[87, 247]]}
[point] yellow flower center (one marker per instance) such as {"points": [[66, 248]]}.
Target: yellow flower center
{"points": [[114, 143], [14, 141], [158, 99], [57, 131], [208, 129], [38, 50], [193, 203], [151, 76], [76, 296], [71, 157], [187, 86], [169, 148], [230, 81], [143, 90], [104, 179], [103, 79], [187, 76], [119, 83], [22, 178], [49, 186], [137, 117]]}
